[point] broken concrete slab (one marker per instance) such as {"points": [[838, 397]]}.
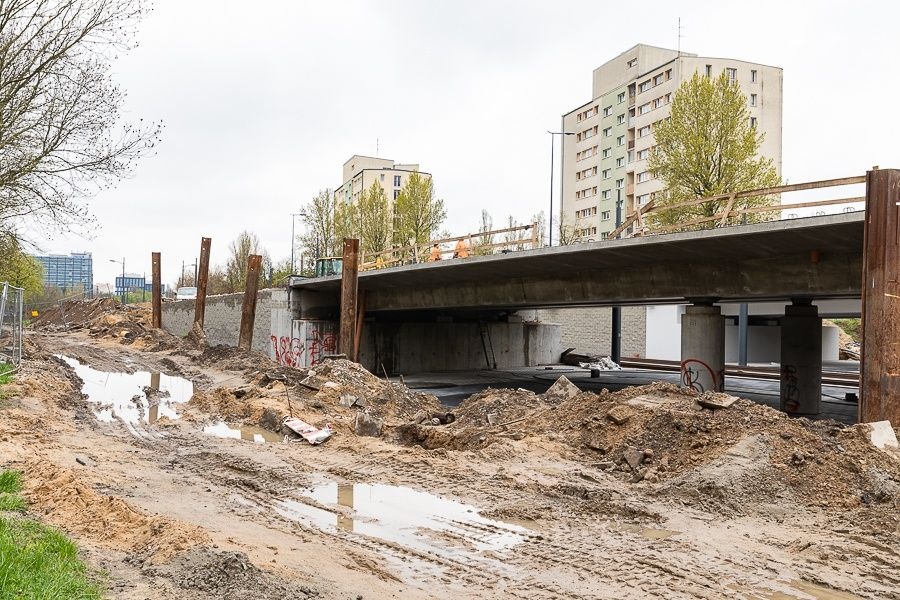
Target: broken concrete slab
{"points": [[563, 389], [882, 435], [633, 457], [367, 425], [716, 400], [619, 414]]}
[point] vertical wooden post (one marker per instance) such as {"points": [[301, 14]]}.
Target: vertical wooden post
{"points": [[879, 368], [157, 292], [248, 310], [202, 278], [349, 277]]}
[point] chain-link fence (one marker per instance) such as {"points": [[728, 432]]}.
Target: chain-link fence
{"points": [[11, 305]]}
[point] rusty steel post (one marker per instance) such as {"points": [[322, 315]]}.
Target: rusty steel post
{"points": [[360, 317], [879, 367], [349, 277], [156, 300], [248, 310], [202, 278]]}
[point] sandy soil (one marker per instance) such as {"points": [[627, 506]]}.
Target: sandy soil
{"points": [[521, 496]]}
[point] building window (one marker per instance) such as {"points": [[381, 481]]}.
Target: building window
{"points": [[709, 70], [620, 141], [604, 235], [620, 183], [620, 119], [645, 86], [396, 194], [732, 74], [607, 132], [620, 98], [659, 79], [605, 195], [620, 162], [752, 99], [396, 180], [752, 121], [753, 76], [606, 173], [632, 63], [606, 152], [644, 109], [604, 216], [643, 154], [668, 74], [382, 178], [645, 130], [607, 111], [642, 177]]}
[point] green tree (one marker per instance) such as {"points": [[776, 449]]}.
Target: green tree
{"points": [[62, 133], [418, 214], [240, 250], [375, 220], [319, 216], [706, 148], [20, 269]]}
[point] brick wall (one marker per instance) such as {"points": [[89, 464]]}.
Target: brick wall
{"points": [[589, 329]]}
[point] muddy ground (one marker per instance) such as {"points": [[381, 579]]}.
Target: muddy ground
{"points": [[636, 494]]}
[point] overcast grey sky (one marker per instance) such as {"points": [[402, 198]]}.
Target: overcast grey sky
{"points": [[264, 101]]}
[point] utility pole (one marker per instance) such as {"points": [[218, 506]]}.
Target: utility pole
{"points": [[552, 165]]}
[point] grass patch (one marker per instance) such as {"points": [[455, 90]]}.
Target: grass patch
{"points": [[36, 561], [851, 327], [7, 373], [10, 482]]}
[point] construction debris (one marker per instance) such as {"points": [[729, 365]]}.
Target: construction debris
{"points": [[882, 435], [563, 389], [715, 400], [310, 433]]}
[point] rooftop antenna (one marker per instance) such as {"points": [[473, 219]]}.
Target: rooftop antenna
{"points": [[376, 147], [679, 36]]}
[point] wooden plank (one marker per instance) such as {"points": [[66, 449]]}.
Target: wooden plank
{"points": [[156, 321], [879, 397], [248, 308], [202, 278], [795, 187], [349, 283]]}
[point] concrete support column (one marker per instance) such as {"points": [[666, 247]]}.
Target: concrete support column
{"points": [[801, 359], [703, 348]]}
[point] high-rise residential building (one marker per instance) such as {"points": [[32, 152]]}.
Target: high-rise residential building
{"points": [[607, 156], [69, 273], [360, 172]]}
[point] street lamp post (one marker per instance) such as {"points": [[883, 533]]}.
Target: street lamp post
{"points": [[122, 262], [294, 239], [552, 165]]}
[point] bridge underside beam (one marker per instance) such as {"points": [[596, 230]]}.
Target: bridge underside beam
{"points": [[782, 277]]}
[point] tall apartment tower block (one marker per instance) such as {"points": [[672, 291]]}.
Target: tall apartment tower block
{"points": [[607, 156]]}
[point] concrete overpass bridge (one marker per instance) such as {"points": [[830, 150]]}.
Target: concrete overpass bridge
{"points": [[793, 261]]}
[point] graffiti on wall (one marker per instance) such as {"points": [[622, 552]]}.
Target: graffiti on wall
{"points": [[790, 391], [310, 343]]}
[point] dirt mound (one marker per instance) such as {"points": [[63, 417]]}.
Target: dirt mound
{"points": [[226, 575], [659, 433], [62, 499], [106, 318]]}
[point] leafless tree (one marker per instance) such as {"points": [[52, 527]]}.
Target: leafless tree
{"points": [[62, 138]]}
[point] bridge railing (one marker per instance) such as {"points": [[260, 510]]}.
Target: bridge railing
{"points": [[641, 220], [519, 237]]}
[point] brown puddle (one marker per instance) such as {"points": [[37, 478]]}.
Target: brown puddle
{"points": [[250, 433], [418, 520], [122, 395]]}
